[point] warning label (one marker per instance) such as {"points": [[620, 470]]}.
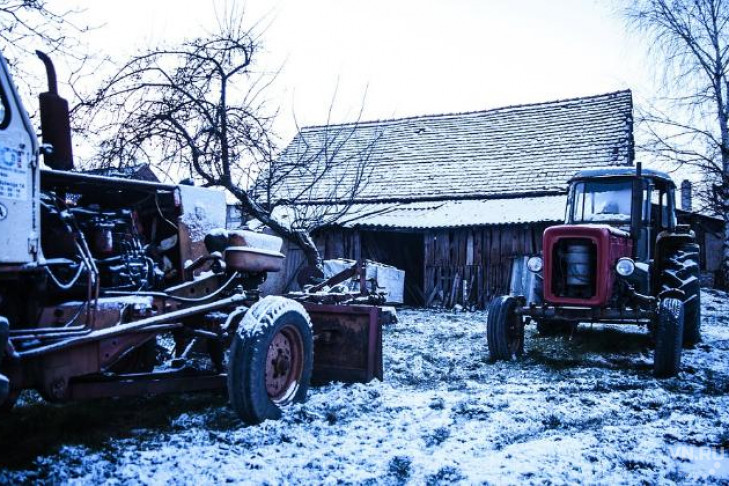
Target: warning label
{"points": [[13, 174]]}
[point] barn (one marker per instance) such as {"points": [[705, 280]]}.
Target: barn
{"points": [[453, 198]]}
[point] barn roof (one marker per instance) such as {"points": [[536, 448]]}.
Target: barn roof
{"points": [[517, 150], [459, 213], [449, 213]]}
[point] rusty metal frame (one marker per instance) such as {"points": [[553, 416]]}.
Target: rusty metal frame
{"points": [[339, 331], [348, 348], [588, 314], [144, 384], [136, 326]]}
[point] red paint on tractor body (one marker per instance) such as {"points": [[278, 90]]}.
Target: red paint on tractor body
{"points": [[611, 244]]}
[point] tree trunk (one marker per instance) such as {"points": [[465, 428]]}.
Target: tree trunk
{"points": [[724, 277], [724, 271], [299, 237], [722, 105], [307, 245]]}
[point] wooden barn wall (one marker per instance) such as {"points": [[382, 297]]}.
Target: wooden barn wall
{"points": [[466, 266], [469, 266], [337, 243]]}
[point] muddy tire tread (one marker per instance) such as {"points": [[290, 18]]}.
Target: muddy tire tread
{"points": [[681, 271], [669, 338], [246, 369], [501, 309]]}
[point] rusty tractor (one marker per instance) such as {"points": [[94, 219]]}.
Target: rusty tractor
{"points": [[113, 287]]}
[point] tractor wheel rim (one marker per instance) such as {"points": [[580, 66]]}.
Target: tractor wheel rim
{"points": [[284, 364]]}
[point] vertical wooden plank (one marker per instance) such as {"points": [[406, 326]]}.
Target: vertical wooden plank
{"points": [[495, 260], [506, 254], [337, 245], [486, 261], [477, 237], [445, 242], [357, 244], [428, 245], [480, 295]]}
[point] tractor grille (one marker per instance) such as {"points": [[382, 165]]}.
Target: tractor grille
{"points": [[574, 272]]}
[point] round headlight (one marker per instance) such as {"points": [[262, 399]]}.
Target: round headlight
{"points": [[535, 264], [625, 267]]}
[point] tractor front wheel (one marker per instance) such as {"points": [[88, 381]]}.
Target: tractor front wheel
{"points": [[669, 338], [270, 360], [504, 329]]}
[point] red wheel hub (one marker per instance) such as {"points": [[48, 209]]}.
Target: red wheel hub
{"points": [[284, 365]]}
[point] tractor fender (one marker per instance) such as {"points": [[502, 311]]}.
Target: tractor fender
{"points": [[666, 241], [263, 313]]}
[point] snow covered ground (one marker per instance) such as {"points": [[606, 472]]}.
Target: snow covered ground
{"points": [[585, 409]]}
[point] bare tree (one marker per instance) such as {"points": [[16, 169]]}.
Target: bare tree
{"points": [[200, 105], [318, 178], [27, 25], [692, 36]]}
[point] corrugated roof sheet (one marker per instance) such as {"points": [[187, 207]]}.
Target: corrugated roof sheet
{"points": [[453, 214], [529, 149]]}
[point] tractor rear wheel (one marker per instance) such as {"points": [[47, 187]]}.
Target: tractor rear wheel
{"points": [[270, 360], [680, 270], [669, 336], [504, 329]]}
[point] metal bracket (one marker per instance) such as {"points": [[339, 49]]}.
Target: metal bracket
{"points": [[674, 293], [33, 245]]}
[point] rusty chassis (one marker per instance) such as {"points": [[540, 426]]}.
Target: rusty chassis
{"points": [[160, 323], [77, 360], [588, 314], [643, 310]]}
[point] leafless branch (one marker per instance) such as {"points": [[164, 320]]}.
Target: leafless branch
{"points": [[201, 106]]}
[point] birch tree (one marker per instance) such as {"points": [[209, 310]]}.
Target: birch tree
{"points": [[691, 39]]}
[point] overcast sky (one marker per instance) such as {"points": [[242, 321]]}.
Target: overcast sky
{"points": [[410, 57]]}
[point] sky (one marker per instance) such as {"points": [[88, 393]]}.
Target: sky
{"points": [[395, 58]]}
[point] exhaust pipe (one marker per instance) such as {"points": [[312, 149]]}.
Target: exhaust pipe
{"points": [[55, 121], [636, 223]]}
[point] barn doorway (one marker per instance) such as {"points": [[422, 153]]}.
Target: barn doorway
{"points": [[402, 250]]}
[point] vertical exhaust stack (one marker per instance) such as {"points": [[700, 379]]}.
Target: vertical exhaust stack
{"points": [[686, 196], [55, 121], [637, 207]]}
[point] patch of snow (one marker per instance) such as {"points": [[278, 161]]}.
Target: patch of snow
{"points": [[203, 210], [584, 409]]}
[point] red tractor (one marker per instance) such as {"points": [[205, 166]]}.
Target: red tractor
{"points": [[620, 257]]}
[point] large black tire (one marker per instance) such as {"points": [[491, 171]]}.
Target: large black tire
{"points": [[680, 270], [504, 329], [270, 360], [669, 337]]}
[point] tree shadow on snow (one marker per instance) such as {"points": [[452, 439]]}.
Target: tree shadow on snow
{"points": [[595, 347]]}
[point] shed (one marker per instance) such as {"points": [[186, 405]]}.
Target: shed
{"points": [[452, 198]]}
